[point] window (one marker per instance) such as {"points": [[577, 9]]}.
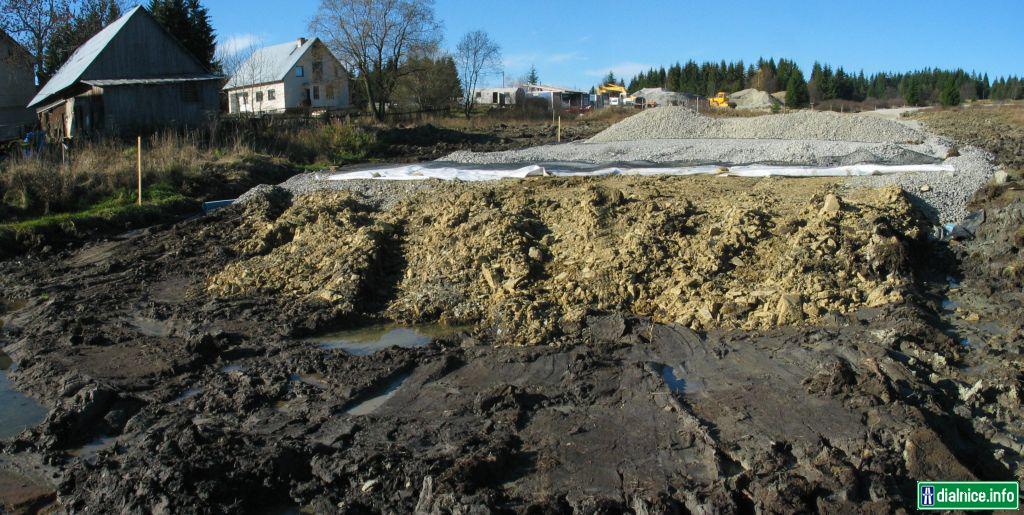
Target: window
{"points": [[271, 94], [316, 92], [259, 96], [318, 70], [479, 94], [299, 72], [330, 92]]}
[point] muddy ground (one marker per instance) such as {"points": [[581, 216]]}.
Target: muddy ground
{"points": [[636, 345]]}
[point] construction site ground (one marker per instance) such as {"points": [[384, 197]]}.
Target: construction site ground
{"points": [[596, 344]]}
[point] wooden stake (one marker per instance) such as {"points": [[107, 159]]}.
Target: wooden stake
{"points": [[138, 170], [559, 136]]}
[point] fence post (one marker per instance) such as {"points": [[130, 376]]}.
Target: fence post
{"points": [[138, 169]]}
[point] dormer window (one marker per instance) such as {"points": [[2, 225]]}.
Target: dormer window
{"points": [[300, 72]]}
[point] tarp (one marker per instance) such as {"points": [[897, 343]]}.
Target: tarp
{"points": [[449, 173]]}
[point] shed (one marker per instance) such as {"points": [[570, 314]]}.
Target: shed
{"points": [[133, 76], [17, 85]]}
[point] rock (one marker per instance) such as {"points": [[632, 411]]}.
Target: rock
{"points": [[606, 329], [535, 254], [831, 206], [369, 485], [790, 309], [1001, 177], [925, 188]]}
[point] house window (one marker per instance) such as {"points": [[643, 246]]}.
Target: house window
{"points": [[479, 94], [300, 72], [316, 92], [190, 93], [259, 96], [271, 94], [330, 92], [318, 70]]}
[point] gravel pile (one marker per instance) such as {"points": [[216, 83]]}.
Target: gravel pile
{"points": [[727, 152], [684, 123], [380, 194], [753, 99], [943, 197]]}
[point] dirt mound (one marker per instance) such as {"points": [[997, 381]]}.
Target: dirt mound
{"points": [[684, 123], [529, 257]]}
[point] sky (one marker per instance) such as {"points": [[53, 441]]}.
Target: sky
{"points": [[575, 44]]}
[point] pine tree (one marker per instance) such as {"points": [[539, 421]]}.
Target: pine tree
{"points": [[796, 90], [532, 77], [189, 22], [610, 78], [91, 18], [950, 95]]}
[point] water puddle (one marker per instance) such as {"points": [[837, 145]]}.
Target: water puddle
{"points": [[949, 306], [368, 340], [91, 450], [227, 369], [314, 380], [379, 398], [188, 394], [952, 282], [17, 410], [673, 377]]}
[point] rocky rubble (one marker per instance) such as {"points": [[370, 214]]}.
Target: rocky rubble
{"points": [[524, 256]]}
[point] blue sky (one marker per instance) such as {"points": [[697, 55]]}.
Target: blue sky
{"points": [[576, 43]]}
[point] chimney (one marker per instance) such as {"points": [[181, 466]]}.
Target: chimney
{"points": [[301, 41]]}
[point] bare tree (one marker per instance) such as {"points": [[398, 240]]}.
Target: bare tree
{"points": [[32, 23], [476, 56], [376, 38], [250, 68]]}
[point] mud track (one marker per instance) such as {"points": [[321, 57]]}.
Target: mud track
{"points": [[177, 377]]}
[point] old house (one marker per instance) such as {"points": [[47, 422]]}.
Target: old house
{"points": [[17, 85], [132, 76], [302, 74]]}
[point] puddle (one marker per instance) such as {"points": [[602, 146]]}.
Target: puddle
{"points": [[368, 340], [17, 410], [949, 306], [379, 398], [227, 369], [188, 394], [673, 377], [314, 380], [91, 450], [952, 282]]}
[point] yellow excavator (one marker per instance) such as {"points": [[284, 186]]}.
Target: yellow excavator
{"points": [[617, 95], [720, 100]]}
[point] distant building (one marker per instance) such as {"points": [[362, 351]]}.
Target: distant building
{"points": [[17, 86], [557, 97], [500, 96], [302, 74], [132, 76]]}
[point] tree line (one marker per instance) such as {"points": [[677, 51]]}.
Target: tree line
{"points": [[926, 86]]}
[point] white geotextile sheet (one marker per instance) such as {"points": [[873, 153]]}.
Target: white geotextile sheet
{"points": [[419, 172]]}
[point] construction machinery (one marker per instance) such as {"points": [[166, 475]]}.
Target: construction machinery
{"points": [[720, 100]]}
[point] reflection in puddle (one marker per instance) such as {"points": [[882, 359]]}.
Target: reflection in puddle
{"points": [[17, 410], [379, 398], [188, 394], [673, 378], [315, 380], [227, 369], [91, 450], [949, 306], [952, 282], [368, 340]]}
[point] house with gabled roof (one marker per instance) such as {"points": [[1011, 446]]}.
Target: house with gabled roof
{"points": [[17, 85], [132, 76], [299, 75]]}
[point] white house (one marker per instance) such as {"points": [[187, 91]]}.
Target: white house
{"points": [[499, 96], [302, 74]]}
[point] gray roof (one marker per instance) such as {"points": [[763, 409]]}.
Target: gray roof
{"points": [[269, 64], [199, 77], [69, 73]]}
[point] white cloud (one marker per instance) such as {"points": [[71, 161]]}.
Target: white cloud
{"points": [[624, 70], [236, 43]]}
